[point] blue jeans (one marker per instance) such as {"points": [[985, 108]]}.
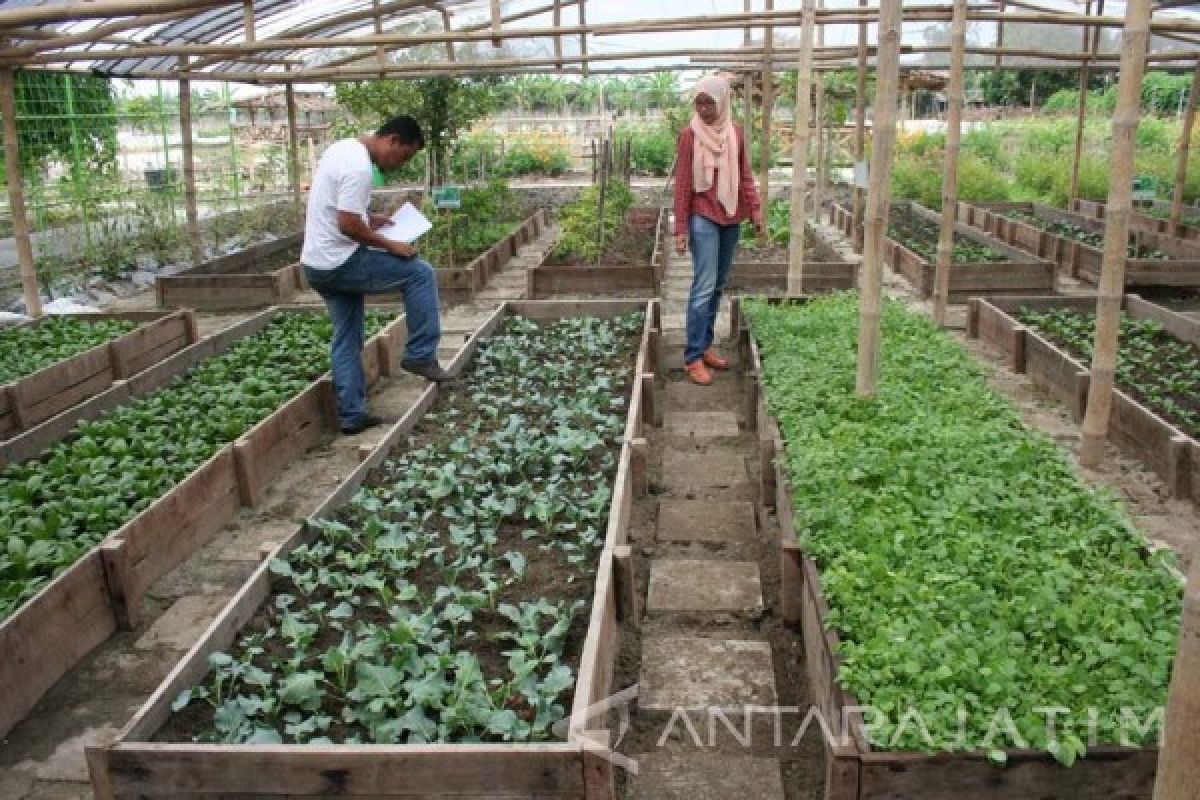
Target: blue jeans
{"points": [[343, 289], [712, 247]]}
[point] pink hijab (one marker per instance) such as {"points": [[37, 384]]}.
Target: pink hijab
{"points": [[715, 152]]}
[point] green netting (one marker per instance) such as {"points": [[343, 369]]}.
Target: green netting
{"points": [[102, 172]]}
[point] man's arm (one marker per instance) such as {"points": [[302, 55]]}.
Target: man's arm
{"points": [[353, 226]]}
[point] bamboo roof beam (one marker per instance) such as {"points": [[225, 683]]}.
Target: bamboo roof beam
{"points": [[101, 34], [1111, 289], [97, 9]]}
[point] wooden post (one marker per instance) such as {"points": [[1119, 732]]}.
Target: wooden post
{"points": [[448, 27], [819, 130], [380, 52], [748, 91], [293, 143], [558, 50], [860, 132], [1084, 77], [1185, 144], [1134, 40], [583, 37], [16, 194], [189, 163], [804, 72], [768, 101], [248, 20], [1177, 777], [496, 23], [954, 108], [1000, 37], [878, 196]]}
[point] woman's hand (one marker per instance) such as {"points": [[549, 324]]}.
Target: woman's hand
{"points": [[760, 229], [681, 243]]}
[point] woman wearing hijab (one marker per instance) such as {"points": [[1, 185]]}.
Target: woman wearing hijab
{"points": [[714, 193]]}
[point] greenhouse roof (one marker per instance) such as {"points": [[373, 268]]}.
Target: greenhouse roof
{"points": [[281, 41]]}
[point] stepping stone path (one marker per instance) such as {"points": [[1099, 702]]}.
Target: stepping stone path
{"points": [[701, 647]]}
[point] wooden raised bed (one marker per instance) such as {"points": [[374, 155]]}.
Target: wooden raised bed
{"points": [[224, 284], [134, 766], [1137, 222], [546, 280], [231, 281], [1019, 275], [102, 592], [1138, 431], [35, 398], [824, 271], [854, 770], [1081, 260]]}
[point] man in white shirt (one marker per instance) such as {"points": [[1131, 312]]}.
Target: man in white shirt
{"points": [[346, 258]]}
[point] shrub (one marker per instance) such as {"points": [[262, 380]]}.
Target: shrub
{"points": [[652, 148], [536, 156]]}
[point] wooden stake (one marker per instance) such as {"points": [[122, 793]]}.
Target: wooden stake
{"points": [[1116, 231], [248, 19], [558, 50], [448, 28], [860, 131], [768, 101], [820, 133], [1185, 144], [293, 143], [16, 195], [583, 36], [954, 108], [1177, 777], [189, 165], [875, 223], [800, 150]]}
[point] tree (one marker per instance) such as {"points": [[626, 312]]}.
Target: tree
{"points": [[444, 106]]}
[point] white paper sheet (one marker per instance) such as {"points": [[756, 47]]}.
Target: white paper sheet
{"points": [[408, 224]]}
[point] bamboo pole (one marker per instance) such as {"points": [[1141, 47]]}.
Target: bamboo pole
{"points": [[558, 48], [293, 143], [748, 90], [768, 101], [819, 130], [98, 9], [380, 52], [884, 142], [1178, 778], [496, 23], [16, 195], [860, 131], [795, 281], [248, 19], [1185, 145], [1116, 232], [1000, 37], [189, 166], [1084, 79], [448, 28], [583, 36], [954, 109]]}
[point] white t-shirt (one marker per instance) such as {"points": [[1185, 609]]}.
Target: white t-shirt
{"points": [[342, 183]]}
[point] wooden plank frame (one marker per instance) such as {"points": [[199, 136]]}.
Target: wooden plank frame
{"points": [[42, 395], [133, 765], [1094, 209], [546, 280], [103, 591], [826, 272], [218, 286], [854, 769], [1083, 261], [1135, 429], [1021, 274]]}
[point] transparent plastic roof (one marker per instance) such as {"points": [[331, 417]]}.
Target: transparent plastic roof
{"points": [[325, 40]]}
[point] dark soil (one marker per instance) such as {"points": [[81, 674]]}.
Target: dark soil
{"points": [[548, 575], [258, 266], [921, 236], [633, 246], [1091, 238], [1158, 370]]}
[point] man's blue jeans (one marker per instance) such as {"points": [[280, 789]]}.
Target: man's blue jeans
{"points": [[343, 289], [712, 247]]}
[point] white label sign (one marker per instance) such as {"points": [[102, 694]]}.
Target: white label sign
{"points": [[861, 177]]}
